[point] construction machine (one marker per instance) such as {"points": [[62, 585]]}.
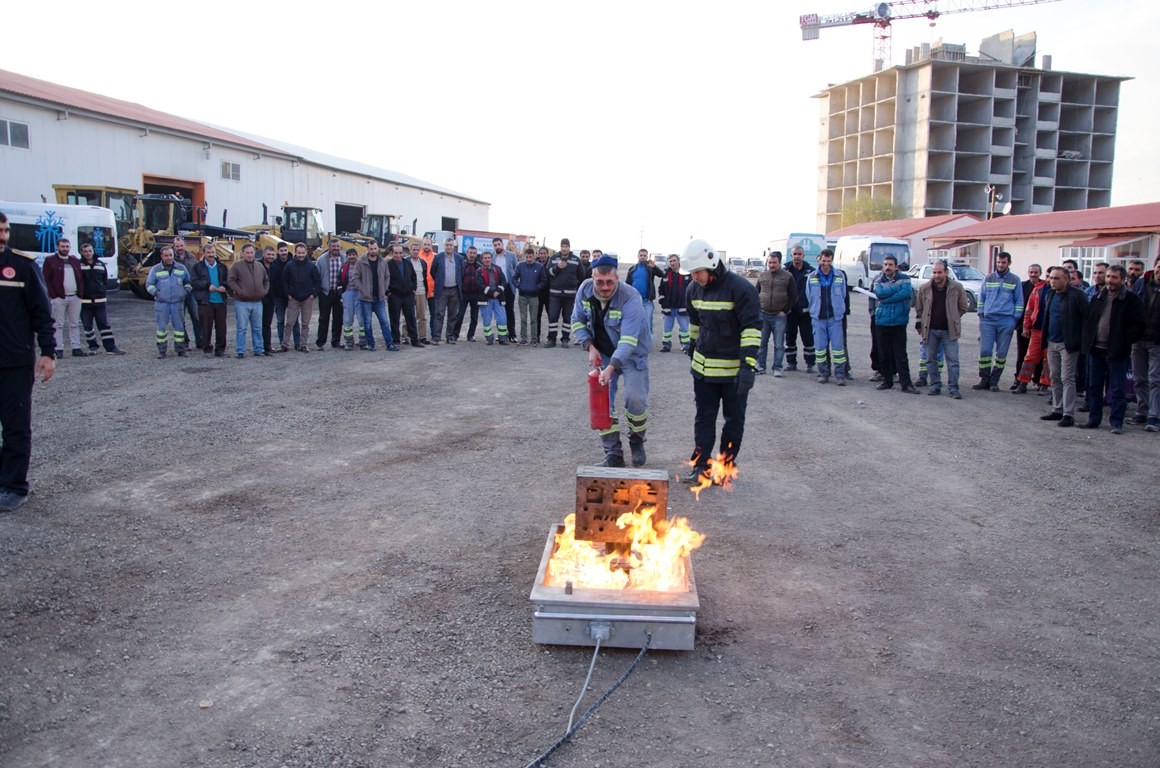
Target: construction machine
{"points": [[117, 199]]}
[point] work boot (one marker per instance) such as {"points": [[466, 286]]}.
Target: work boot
{"points": [[1139, 418], [612, 460], [1020, 388], [638, 455], [60, 354], [788, 367], [550, 343], [982, 385], [116, 351], [666, 347], [694, 475], [181, 351], [503, 342], [809, 369], [909, 389], [161, 351], [921, 382], [876, 377], [1014, 386], [565, 344]]}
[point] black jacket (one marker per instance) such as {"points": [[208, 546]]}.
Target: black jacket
{"points": [[301, 279], [1150, 296], [277, 289], [404, 281], [800, 276], [1127, 324], [199, 280], [563, 281], [673, 287], [25, 312], [96, 282], [1075, 306]]}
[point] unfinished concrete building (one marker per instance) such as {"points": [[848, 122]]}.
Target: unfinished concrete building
{"points": [[947, 133]]}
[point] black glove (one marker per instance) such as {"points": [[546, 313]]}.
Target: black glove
{"points": [[745, 379], [691, 349]]}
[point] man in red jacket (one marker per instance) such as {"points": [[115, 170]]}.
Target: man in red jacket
{"points": [[62, 276]]}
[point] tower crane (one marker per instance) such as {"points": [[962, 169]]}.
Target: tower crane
{"points": [[882, 15]]}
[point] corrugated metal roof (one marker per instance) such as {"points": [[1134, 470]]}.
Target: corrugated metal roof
{"points": [[76, 100], [1144, 217], [900, 228]]}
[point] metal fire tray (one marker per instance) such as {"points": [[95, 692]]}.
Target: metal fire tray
{"points": [[559, 618]]}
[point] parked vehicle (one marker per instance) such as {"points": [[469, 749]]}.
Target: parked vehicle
{"points": [[811, 245], [754, 267], [860, 257], [971, 278], [37, 228], [736, 264]]}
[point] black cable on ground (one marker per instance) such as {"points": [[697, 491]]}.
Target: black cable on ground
{"points": [[580, 723]]}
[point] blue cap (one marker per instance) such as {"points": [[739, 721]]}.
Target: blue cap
{"points": [[606, 261]]}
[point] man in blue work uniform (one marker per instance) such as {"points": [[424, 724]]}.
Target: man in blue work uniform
{"points": [[25, 323], [608, 323], [725, 329], [1000, 307], [168, 284]]}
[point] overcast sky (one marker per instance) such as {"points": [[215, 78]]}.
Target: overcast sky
{"points": [[596, 120]]}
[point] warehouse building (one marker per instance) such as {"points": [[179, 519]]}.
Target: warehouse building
{"points": [[51, 135], [950, 133]]}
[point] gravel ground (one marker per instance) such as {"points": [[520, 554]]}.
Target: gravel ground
{"points": [[325, 560]]}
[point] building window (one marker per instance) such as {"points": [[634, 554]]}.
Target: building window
{"points": [[231, 171], [13, 134]]}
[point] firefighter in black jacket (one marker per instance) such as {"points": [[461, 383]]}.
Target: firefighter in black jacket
{"points": [[94, 313], [725, 327], [25, 323]]}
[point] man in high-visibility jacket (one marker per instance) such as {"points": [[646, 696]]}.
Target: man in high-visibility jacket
{"points": [[1000, 307], [608, 322], [725, 329]]}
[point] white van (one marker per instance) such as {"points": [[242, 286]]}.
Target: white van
{"points": [[36, 228], [860, 257]]}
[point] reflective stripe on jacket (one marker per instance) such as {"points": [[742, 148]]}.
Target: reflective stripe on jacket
{"points": [[724, 326], [1001, 295], [624, 321]]}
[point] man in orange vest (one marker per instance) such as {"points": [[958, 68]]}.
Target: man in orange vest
{"points": [[427, 254]]}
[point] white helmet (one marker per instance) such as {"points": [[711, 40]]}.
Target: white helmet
{"points": [[698, 255]]}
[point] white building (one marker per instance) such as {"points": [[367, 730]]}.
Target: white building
{"points": [[50, 134], [947, 133]]}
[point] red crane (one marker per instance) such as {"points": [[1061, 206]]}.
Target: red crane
{"points": [[882, 15]]}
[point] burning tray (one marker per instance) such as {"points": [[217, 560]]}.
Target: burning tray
{"points": [[562, 616]]}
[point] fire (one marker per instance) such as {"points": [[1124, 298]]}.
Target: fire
{"points": [[655, 560], [722, 471]]}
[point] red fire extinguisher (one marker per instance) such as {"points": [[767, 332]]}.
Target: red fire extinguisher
{"points": [[599, 406]]}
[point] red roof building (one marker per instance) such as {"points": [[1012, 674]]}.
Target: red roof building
{"points": [[917, 232]]}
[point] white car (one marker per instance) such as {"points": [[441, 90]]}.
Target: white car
{"points": [[736, 264], [971, 278]]}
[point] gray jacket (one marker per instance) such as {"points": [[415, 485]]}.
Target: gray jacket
{"points": [[362, 279]]}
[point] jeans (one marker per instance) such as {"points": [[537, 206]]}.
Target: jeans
{"points": [[529, 308], [923, 358], [828, 333], [248, 315], [1115, 371], [370, 310], [941, 343], [994, 343], [680, 318], [770, 325], [648, 313], [1062, 364]]}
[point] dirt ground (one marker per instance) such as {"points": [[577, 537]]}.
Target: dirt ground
{"points": [[325, 560]]}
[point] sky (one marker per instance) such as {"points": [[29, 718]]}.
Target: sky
{"points": [[617, 124]]}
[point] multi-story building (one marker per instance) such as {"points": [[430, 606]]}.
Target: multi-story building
{"points": [[946, 133]]}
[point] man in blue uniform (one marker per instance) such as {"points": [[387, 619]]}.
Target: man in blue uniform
{"points": [[25, 323]]}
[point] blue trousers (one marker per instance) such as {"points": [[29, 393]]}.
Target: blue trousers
{"points": [[648, 314], [370, 310], [772, 325], [680, 318], [635, 406], [994, 343], [493, 308], [248, 315], [167, 314], [1113, 370], [938, 346], [351, 310], [829, 333]]}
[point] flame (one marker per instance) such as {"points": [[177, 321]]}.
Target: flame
{"points": [[722, 471], [655, 561]]}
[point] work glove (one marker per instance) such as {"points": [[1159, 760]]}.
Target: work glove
{"points": [[745, 379]]}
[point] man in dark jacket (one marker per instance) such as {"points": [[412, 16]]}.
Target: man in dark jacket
{"points": [[472, 293], [777, 291], [1115, 319], [1146, 353], [303, 283], [797, 320], [209, 278], [672, 301], [401, 290], [25, 324], [94, 305], [527, 279], [565, 273], [1060, 319], [447, 279], [278, 293]]}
